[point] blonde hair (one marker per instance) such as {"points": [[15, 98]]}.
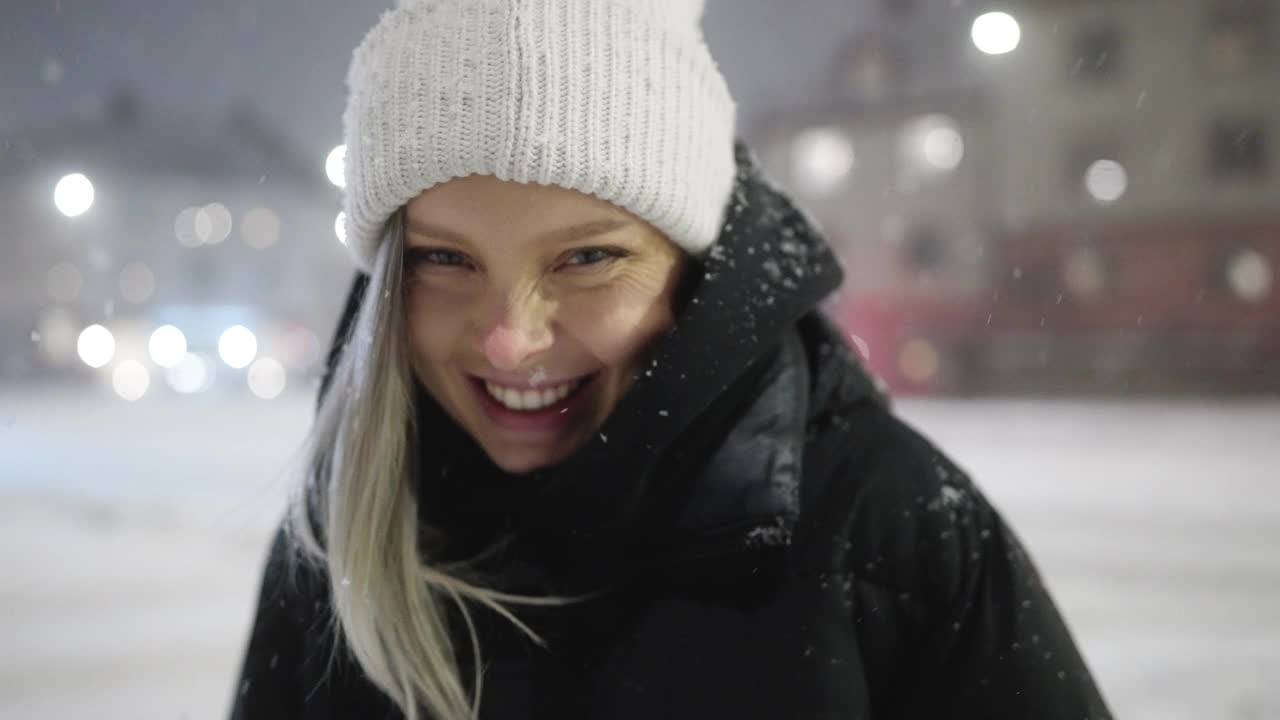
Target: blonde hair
{"points": [[388, 600]]}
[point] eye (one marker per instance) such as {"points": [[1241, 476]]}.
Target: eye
{"points": [[437, 257], [593, 256]]}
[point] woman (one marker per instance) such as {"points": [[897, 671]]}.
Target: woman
{"points": [[588, 448]]}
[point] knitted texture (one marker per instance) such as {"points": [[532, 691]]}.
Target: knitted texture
{"points": [[619, 99]]}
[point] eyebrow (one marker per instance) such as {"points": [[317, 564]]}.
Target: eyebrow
{"points": [[559, 235]]}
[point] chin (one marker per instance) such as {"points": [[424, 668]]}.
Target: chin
{"points": [[523, 461]]}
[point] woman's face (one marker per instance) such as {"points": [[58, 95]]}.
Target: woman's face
{"points": [[528, 307]]}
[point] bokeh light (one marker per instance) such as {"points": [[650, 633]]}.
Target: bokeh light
{"points": [[1250, 276], [237, 346], [996, 33], [130, 380], [137, 282], [266, 378], [821, 159], [212, 223], [1106, 181], [260, 228], [919, 360], [340, 227], [193, 374], [184, 227], [334, 166], [167, 346], [944, 148], [73, 195], [96, 346], [931, 144]]}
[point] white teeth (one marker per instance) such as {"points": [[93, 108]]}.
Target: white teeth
{"points": [[530, 399]]}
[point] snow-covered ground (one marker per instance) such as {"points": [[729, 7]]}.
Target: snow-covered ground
{"points": [[132, 537]]}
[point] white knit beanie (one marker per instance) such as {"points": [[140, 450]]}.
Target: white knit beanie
{"points": [[616, 98]]}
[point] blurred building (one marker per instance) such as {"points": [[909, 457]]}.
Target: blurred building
{"points": [[1081, 194], [131, 219], [1074, 195]]}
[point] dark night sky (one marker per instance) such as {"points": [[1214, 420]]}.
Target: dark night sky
{"points": [[190, 59], [288, 58]]}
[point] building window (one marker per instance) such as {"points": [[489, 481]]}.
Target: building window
{"points": [[1235, 39], [1238, 149], [1097, 52]]}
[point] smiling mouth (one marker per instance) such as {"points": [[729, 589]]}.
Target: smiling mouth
{"points": [[531, 400]]}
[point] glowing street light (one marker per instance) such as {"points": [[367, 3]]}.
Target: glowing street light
{"points": [[996, 33], [96, 346], [73, 195], [1106, 181], [237, 346], [340, 227], [943, 148], [335, 166], [167, 346], [932, 145], [1250, 276], [821, 159]]}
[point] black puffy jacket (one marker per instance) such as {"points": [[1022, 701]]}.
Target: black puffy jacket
{"points": [[777, 543]]}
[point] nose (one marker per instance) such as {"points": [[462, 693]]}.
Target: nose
{"points": [[519, 334]]}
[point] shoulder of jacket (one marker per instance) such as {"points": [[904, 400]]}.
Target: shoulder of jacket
{"points": [[911, 520], [838, 378], [294, 587]]}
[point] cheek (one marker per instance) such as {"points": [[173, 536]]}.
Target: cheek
{"points": [[616, 326], [434, 325]]}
